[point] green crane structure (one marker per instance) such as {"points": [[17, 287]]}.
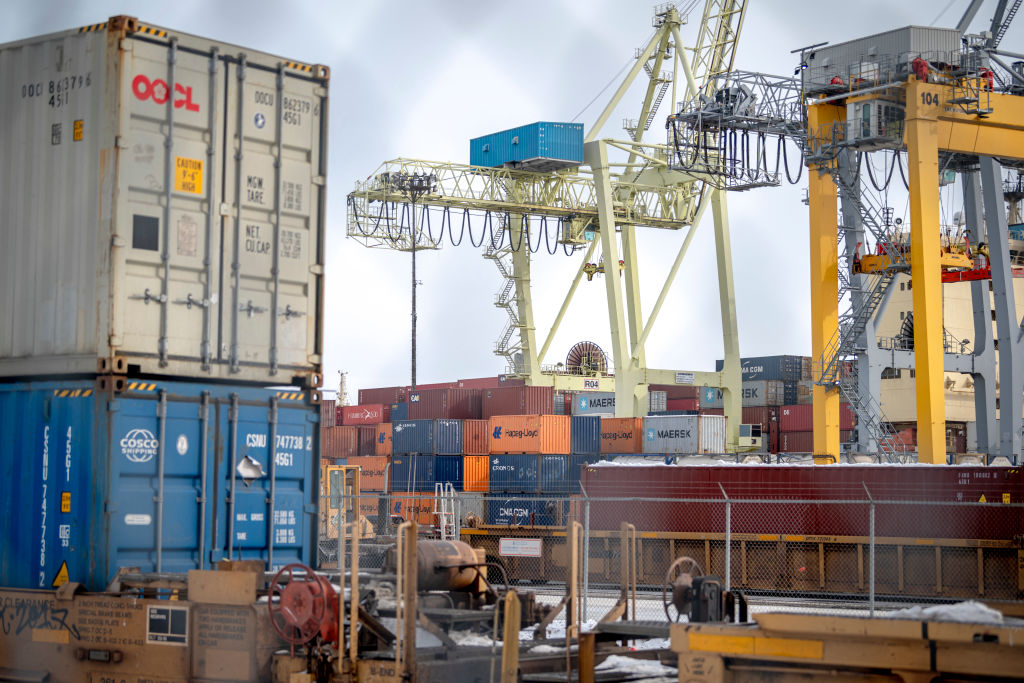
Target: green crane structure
{"points": [[597, 202]]}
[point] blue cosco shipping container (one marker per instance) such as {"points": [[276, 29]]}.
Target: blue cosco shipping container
{"points": [[448, 437], [527, 511], [542, 146], [448, 470], [585, 434], [410, 473], [513, 473], [399, 411], [165, 476]]}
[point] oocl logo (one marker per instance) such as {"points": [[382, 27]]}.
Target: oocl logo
{"points": [[139, 445], [157, 90]]}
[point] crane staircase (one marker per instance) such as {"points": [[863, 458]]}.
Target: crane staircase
{"points": [[509, 344], [865, 294]]}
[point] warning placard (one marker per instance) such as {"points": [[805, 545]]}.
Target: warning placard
{"points": [[167, 625], [188, 175]]}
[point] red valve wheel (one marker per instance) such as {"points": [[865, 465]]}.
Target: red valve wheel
{"points": [[297, 601]]}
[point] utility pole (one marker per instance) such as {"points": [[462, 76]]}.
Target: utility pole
{"points": [[413, 186]]}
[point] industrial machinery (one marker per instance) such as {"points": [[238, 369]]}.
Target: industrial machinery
{"points": [[578, 208]]}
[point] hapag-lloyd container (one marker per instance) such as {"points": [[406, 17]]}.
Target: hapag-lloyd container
{"points": [[684, 434], [373, 472], [127, 199], [621, 435], [530, 434], [363, 414], [166, 476], [383, 444]]}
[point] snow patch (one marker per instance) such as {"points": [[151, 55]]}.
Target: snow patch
{"points": [[649, 667], [970, 612]]}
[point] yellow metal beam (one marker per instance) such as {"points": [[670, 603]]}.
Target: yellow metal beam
{"points": [[824, 281]]}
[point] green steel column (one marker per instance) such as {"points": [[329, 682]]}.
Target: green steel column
{"points": [[595, 154], [731, 371]]}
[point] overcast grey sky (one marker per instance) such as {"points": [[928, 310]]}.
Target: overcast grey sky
{"points": [[419, 79]]}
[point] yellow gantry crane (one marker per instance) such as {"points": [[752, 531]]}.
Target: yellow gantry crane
{"points": [[604, 201]]}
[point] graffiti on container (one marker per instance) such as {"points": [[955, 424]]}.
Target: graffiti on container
{"points": [[18, 615]]}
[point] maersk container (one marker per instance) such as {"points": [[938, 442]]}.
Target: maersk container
{"points": [[412, 473], [163, 207], [684, 434], [164, 476], [543, 146], [448, 470], [752, 393], [594, 403], [585, 434], [513, 473]]}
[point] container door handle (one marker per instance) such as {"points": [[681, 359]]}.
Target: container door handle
{"points": [[250, 309]]}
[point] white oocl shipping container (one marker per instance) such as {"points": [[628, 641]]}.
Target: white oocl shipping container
{"points": [[162, 207]]}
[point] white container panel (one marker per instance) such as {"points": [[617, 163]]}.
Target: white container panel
{"points": [[671, 434], [712, 433]]}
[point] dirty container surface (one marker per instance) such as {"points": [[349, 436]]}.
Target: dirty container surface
{"points": [[95, 195], [91, 468]]}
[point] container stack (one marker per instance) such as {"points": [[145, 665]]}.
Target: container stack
{"points": [[168, 277]]}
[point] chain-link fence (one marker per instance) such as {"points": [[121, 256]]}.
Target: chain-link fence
{"points": [[843, 554]]}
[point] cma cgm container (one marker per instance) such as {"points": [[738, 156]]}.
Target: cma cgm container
{"points": [[142, 239], [787, 368], [684, 434], [542, 146], [166, 477], [517, 400], [530, 434], [527, 511]]}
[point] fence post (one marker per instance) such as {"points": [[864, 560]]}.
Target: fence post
{"points": [[871, 551], [586, 553], [728, 539]]}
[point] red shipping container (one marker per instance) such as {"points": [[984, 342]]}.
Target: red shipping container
{"points": [[339, 442], [676, 390], [385, 395], [682, 404], [367, 440], [760, 415], [522, 400], [362, 414], [383, 442], [476, 437], [801, 418], [328, 413], [373, 472], [803, 442], [427, 387], [444, 404]]}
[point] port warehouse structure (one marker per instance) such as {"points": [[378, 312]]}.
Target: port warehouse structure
{"points": [[161, 349]]}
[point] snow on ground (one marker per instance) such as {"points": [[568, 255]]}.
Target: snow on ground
{"points": [[649, 667], [967, 612]]}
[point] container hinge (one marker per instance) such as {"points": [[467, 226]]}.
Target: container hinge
{"points": [[309, 509], [316, 269], [120, 142], [110, 506], [319, 180], [189, 301], [226, 210], [147, 297], [288, 313], [250, 309]]}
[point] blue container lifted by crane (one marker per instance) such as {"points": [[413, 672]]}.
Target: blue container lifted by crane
{"points": [[541, 147]]}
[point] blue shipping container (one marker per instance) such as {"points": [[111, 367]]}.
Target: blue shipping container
{"points": [[576, 464], [448, 437], [399, 411], [526, 511], [554, 474], [543, 146], [412, 436], [513, 473], [83, 471], [448, 470], [585, 434], [410, 473]]}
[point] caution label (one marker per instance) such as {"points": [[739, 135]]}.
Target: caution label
{"points": [[62, 575], [982, 499], [188, 175], [78, 130], [65, 501], [1006, 498]]}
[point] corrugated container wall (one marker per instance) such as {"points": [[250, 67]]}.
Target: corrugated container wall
{"points": [[621, 435], [412, 472], [340, 442], [399, 411], [517, 400], [712, 434], [448, 437], [544, 146], [585, 435], [367, 439], [328, 415], [593, 403], [446, 403], [363, 414], [684, 434], [756, 368], [476, 437], [386, 395], [383, 439], [753, 393], [116, 494], [448, 470], [801, 418], [476, 472], [657, 401], [513, 473], [95, 194], [412, 436], [530, 434], [417, 507]]}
